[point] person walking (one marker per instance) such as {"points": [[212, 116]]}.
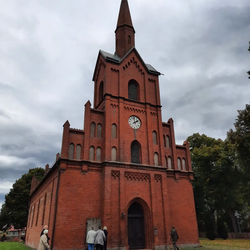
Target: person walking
{"points": [[105, 230], [91, 238], [174, 237], [43, 244], [99, 239]]}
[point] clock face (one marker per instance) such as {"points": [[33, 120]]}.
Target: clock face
{"points": [[134, 122]]}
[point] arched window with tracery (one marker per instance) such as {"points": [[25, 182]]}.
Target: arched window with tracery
{"points": [[156, 159], [98, 154], [92, 153], [135, 152], [133, 90], [114, 131], [78, 151], [113, 154], [99, 130], [92, 129], [179, 163], [71, 151], [169, 163], [167, 141], [183, 164], [155, 137], [100, 92]]}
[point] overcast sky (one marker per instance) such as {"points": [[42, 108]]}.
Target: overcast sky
{"points": [[48, 51]]}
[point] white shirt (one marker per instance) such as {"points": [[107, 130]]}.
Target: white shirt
{"points": [[91, 237]]}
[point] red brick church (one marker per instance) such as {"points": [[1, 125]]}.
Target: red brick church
{"points": [[123, 170]]}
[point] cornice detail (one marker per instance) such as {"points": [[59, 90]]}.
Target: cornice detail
{"points": [[133, 61], [134, 110]]}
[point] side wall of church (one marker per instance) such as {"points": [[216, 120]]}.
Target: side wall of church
{"points": [[42, 209], [182, 210], [80, 196]]}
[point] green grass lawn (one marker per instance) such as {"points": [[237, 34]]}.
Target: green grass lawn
{"points": [[13, 246], [217, 244]]}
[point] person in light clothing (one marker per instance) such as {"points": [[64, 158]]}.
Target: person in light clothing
{"points": [[99, 239], [91, 238], [43, 244]]}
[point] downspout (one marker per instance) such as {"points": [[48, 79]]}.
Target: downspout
{"points": [[54, 224]]}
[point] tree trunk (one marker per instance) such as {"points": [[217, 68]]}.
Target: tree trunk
{"points": [[233, 219]]}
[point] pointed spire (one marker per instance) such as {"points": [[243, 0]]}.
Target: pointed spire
{"points": [[125, 33], [124, 15]]}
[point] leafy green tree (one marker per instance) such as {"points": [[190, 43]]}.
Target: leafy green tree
{"points": [[217, 186], [15, 208]]}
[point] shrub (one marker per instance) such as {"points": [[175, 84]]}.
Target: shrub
{"points": [[210, 234], [222, 229]]}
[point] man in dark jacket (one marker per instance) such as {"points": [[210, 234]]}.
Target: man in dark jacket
{"points": [[174, 237]]}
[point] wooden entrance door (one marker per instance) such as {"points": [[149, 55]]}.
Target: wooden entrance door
{"points": [[136, 235]]}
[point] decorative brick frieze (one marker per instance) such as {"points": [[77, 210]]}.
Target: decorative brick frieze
{"points": [[137, 176]]}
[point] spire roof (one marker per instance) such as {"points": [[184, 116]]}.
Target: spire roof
{"points": [[124, 15]]}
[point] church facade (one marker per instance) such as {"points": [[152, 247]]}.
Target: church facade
{"points": [[124, 169]]}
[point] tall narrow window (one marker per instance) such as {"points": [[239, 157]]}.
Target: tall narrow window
{"points": [[71, 151], [155, 137], [100, 92], [156, 159], [169, 163], [33, 213], [168, 141], [113, 154], [78, 151], [37, 214], [92, 129], [114, 131], [179, 163], [99, 130], [133, 90], [183, 164], [98, 154], [44, 207], [164, 140], [166, 161], [135, 152], [92, 153]]}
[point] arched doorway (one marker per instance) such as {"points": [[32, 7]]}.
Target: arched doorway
{"points": [[136, 231]]}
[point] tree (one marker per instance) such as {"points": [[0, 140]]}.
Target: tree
{"points": [[15, 208], [217, 180], [241, 138]]}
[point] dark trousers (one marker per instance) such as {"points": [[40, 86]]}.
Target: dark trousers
{"points": [[175, 247], [99, 247]]}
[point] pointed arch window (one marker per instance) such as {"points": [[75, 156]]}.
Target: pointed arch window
{"points": [[92, 129], [71, 151], [133, 90], [135, 152], [183, 164], [169, 163], [114, 131], [164, 141], [113, 154], [166, 161], [179, 163], [98, 154], [101, 92], [167, 141], [99, 130], [155, 137], [156, 159], [129, 39], [78, 151], [92, 153]]}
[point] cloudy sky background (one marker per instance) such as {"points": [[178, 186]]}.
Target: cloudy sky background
{"points": [[48, 50]]}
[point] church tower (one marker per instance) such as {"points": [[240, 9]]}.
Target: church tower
{"points": [[124, 169]]}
